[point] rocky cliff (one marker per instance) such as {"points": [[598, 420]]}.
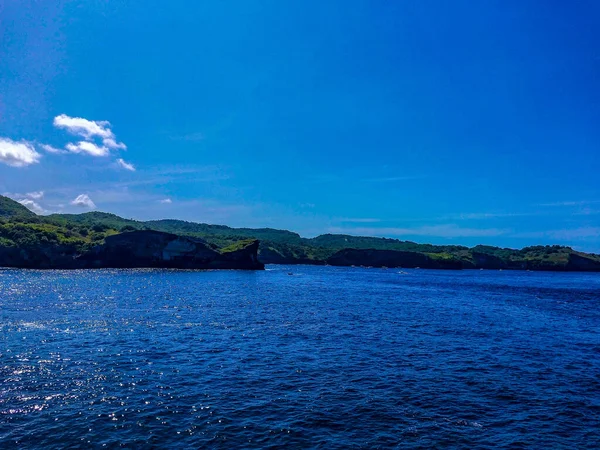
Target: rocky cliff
{"points": [[136, 249], [97, 239], [562, 262], [389, 258], [149, 248]]}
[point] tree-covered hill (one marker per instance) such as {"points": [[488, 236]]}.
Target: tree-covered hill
{"points": [[20, 227], [11, 209], [95, 240]]}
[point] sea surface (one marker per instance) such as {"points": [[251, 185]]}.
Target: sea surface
{"points": [[299, 357]]}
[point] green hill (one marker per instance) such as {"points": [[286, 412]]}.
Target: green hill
{"points": [[12, 209], [21, 227]]}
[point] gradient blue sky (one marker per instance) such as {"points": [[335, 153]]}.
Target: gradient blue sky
{"points": [[449, 122]]}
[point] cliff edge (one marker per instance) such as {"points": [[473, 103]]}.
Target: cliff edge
{"points": [[135, 249]]}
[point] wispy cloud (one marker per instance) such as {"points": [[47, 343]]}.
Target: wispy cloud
{"points": [[32, 205], [37, 195], [571, 203], [121, 191], [565, 234], [586, 212], [356, 176], [490, 215], [50, 149], [112, 144], [18, 154], [447, 231], [166, 201], [125, 165], [84, 201], [88, 147], [158, 176], [30, 200]]}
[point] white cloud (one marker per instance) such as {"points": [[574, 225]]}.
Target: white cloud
{"points": [[87, 147], [166, 201], [17, 154], [51, 149], [84, 201], [83, 127], [35, 195], [125, 165], [32, 206], [111, 143], [89, 130]]}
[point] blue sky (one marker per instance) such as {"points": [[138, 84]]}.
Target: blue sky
{"points": [[449, 122]]}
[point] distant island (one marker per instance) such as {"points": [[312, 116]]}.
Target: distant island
{"points": [[104, 240]]}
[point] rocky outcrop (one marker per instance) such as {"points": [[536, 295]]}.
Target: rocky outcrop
{"points": [[136, 249], [485, 260], [389, 258], [269, 255], [245, 257], [149, 248], [582, 263], [97, 239], [47, 256]]}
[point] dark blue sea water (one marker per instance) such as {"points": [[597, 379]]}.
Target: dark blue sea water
{"points": [[324, 358]]}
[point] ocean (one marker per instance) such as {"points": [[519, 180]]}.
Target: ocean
{"points": [[299, 357]]}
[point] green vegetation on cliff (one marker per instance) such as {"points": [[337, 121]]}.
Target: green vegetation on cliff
{"points": [[72, 240], [11, 209], [77, 233]]}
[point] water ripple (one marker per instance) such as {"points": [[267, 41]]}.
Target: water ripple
{"points": [[331, 358]]}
